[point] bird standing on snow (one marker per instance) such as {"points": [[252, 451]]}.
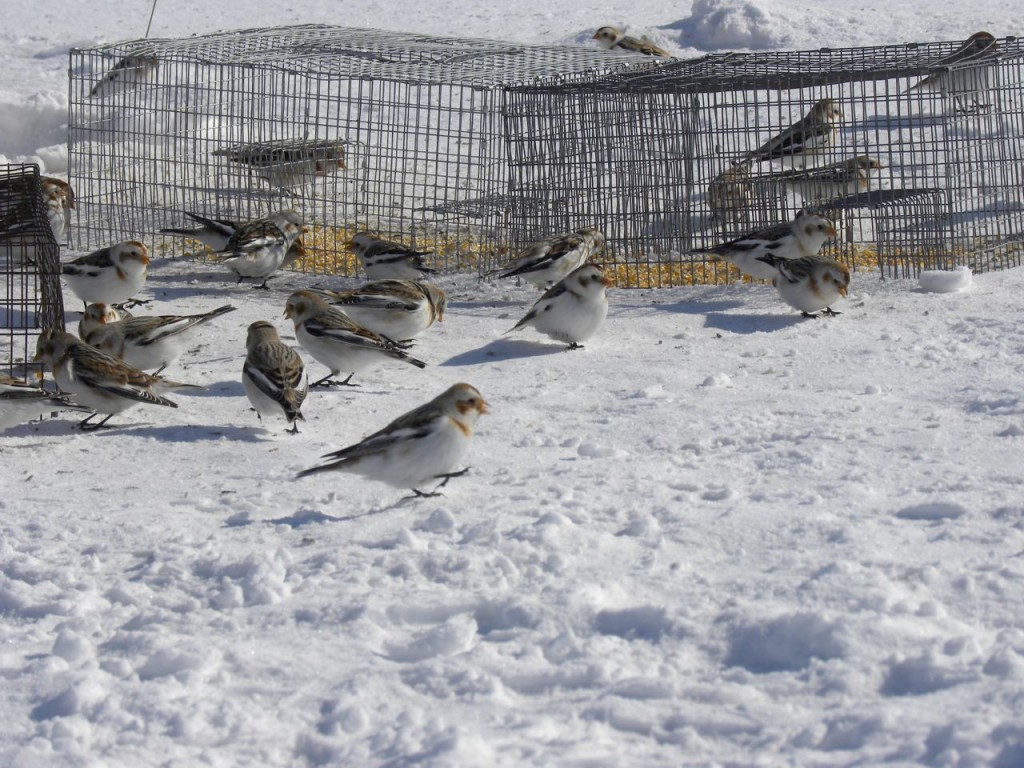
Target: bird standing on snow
{"points": [[216, 233], [803, 236], [573, 309], [383, 259], [611, 38], [337, 341], [100, 381], [109, 275], [810, 283], [807, 137], [21, 402], [398, 309], [425, 444], [273, 375], [145, 343], [551, 260], [258, 249]]}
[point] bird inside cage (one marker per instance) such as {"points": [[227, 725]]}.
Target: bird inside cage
{"points": [[966, 74], [289, 164], [806, 140], [129, 72]]}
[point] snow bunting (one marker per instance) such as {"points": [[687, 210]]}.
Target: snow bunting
{"points": [[810, 283], [965, 75], [827, 182], [273, 375], [398, 309], [21, 402], [96, 314], [803, 236], [60, 200], [384, 259], [730, 195], [611, 38], [109, 275], [258, 249], [216, 233], [337, 341], [100, 381], [573, 309], [129, 72], [551, 260], [143, 342], [809, 136], [425, 444], [289, 164]]}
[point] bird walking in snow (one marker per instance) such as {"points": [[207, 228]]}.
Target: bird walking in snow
{"points": [[384, 259], [109, 275], [801, 237], [398, 309], [573, 309], [550, 260], [808, 137], [273, 375], [21, 402], [424, 445], [337, 341], [611, 38], [146, 343], [258, 249], [809, 284]]}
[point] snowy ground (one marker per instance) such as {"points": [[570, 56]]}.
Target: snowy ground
{"points": [[720, 535]]}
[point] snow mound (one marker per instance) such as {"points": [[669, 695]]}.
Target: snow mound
{"points": [[734, 25], [946, 281], [35, 130], [787, 643]]}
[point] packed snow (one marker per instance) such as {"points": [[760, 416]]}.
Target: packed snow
{"points": [[720, 534]]}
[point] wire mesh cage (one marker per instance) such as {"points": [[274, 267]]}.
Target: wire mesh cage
{"points": [[915, 149], [29, 267], [358, 129]]}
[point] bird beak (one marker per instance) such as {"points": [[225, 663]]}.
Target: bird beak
{"points": [[484, 407], [607, 282], [842, 290], [596, 36], [288, 312], [831, 231]]}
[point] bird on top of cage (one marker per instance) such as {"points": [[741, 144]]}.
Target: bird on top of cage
{"points": [[109, 275], [146, 343], [258, 248], [398, 309], [60, 200], [611, 38], [385, 259], [100, 381], [273, 375], [215, 233], [21, 402], [573, 309], [337, 341], [423, 445], [839, 179], [548, 261], [810, 283], [128, 72], [808, 137], [966, 73], [799, 238]]}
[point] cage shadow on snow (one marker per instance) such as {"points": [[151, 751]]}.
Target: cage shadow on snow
{"points": [[473, 148]]}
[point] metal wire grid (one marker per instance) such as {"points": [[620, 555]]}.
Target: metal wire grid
{"points": [[414, 118], [29, 268], [651, 157]]}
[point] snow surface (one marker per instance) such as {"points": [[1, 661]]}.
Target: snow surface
{"points": [[719, 535]]}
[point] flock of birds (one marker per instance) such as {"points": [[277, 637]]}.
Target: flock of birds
{"points": [[116, 360]]}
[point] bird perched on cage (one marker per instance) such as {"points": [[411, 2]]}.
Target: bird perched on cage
{"points": [[550, 260], [273, 375], [258, 249], [100, 381], [145, 343], [60, 201], [808, 137], [337, 341], [965, 74], [810, 283], [801, 237], [423, 445], [383, 259], [21, 402], [397, 309], [573, 309], [612, 39], [827, 182], [109, 275], [129, 72], [216, 233], [730, 194]]}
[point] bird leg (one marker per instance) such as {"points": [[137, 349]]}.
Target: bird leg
{"points": [[829, 312], [262, 286], [86, 427], [327, 381], [295, 428], [132, 303], [418, 494], [574, 345]]}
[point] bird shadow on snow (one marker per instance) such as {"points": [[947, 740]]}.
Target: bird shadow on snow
{"points": [[743, 323], [503, 349], [181, 433], [226, 388]]}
